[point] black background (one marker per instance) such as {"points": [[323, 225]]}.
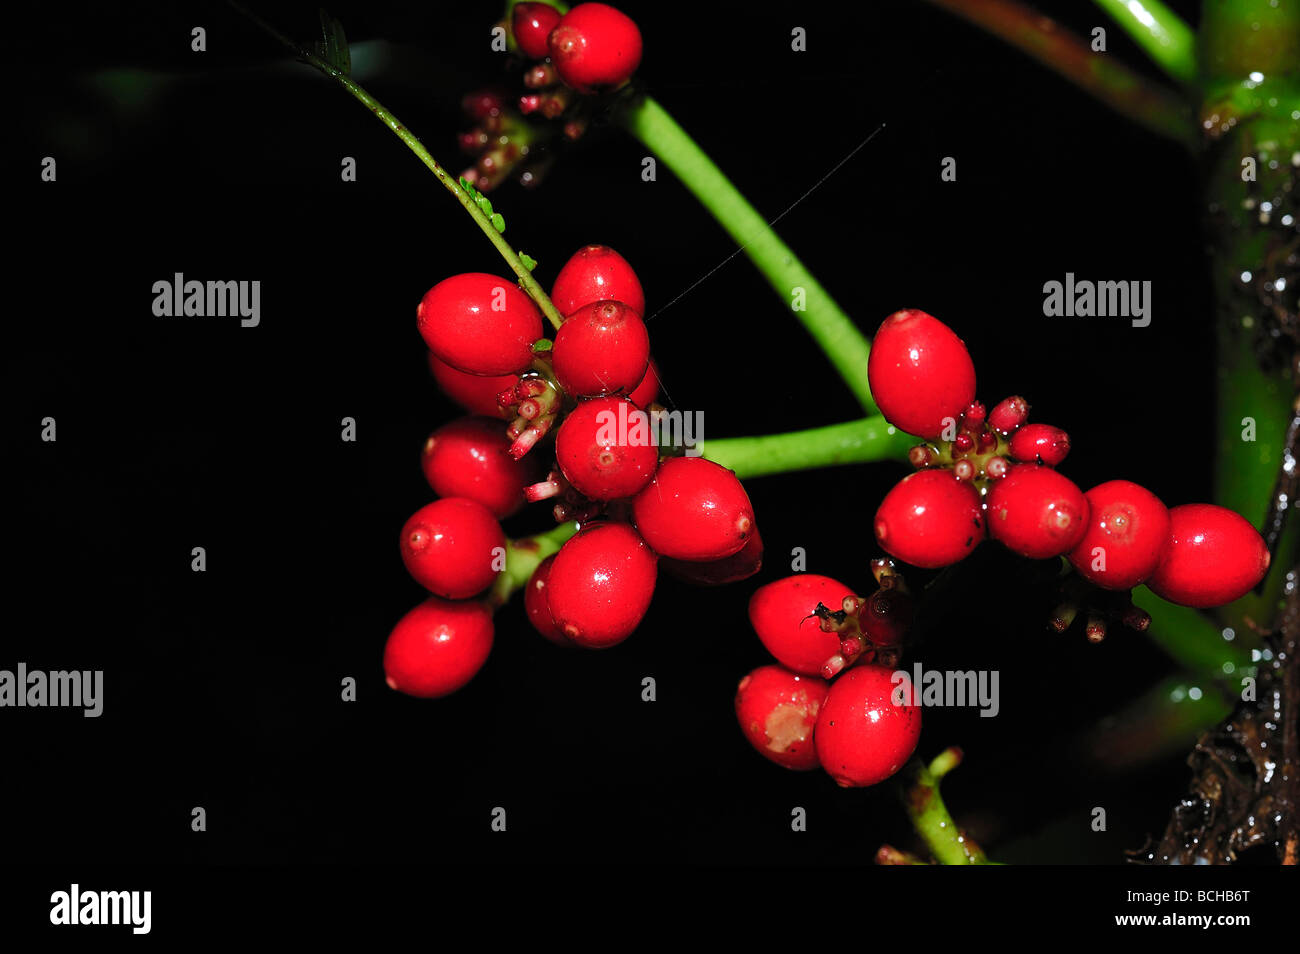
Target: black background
{"points": [[222, 689]]}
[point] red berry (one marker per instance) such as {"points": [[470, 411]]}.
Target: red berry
{"points": [[437, 647], [451, 547], [476, 393], [741, 565], [600, 584], [596, 273], [1130, 527], [694, 509], [479, 323], [930, 519], [777, 710], [648, 390], [601, 348], [1009, 415], [886, 616], [920, 373], [604, 448], [862, 736], [1214, 557], [532, 23], [595, 45], [1036, 512], [781, 613], [1040, 444], [538, 607], [469, 458]]}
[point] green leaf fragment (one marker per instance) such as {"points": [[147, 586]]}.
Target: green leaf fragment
{"points": [[333, 48], [529, 262], [498, 222], [542, 344]]}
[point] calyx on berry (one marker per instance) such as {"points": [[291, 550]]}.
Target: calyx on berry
{"points": [[452, 547]]}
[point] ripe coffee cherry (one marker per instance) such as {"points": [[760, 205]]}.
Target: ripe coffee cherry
{"points": [[782, 614], [532, 23], [479, 323], [920, 373], [469, 458], [648, 390], [694, 509], [437, 647], [451, 545], [930, 519], [600, 584], [476, 393], [741, 565], [886, 616], [777, 710], [604, 448], [1041, 444], [1214, 557], [537, 606], [596, 273], [862, 737], [1036, 512], [601, 348], [595, 45], [1130, 526]]}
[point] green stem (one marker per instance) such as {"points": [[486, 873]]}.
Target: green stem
{"points": [[1169, 41], [929, 816], [523, 557], [853, 442], [452, 184], [1098, 74], [837, 336]]}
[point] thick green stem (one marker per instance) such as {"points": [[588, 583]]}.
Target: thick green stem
{"points": [[452, 183], [840, 340], [1161, 33], [928, 814], [1098, 74], [853, 442]]}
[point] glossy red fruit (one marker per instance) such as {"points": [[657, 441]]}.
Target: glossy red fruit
{"points": [[437, 647], [1040, 444], [886, 616], [538, 607], [469, 458], [596, 273], [862, 737], [781, 613], [452, 547], [532, 23], [648, 390], [694, 509], [595, 46], [920, 373], [1036, 512], [479, 323], [930, 519], [601, 348], [1128, 531], [604, 448], [476, 393], [741, 565], [1008, 415], [1214, 557], [600, 584], [777, 711]]}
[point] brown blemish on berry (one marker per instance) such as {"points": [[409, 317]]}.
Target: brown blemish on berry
{"points": [[786, 725]]}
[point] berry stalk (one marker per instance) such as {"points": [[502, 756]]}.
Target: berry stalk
{"points": [[1160, 32], [452, 184], [523, 557], [853, 442], [929, 816], [833, 330]]}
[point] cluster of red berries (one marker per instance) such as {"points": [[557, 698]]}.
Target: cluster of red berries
{"points": [[590, 50], [863, 726], [993, 474], [588, 391]]}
